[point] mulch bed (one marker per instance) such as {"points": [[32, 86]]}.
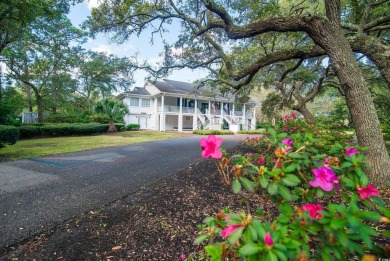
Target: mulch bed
{"points": [[159, 222]]}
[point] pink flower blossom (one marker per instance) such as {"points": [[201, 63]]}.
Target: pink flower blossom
{"points": [[268, 239], [286, 118], [261, 160], [210, 147], [313, 210], [367, 192], [279, 165], [273, 160], [351, 151], [288, 142], [324, 178], [285, 128], [294, 115], [183, 256], [229, 230], [326, 162]]}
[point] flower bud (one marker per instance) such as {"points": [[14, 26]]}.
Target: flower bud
{"points": [[385, 220]]}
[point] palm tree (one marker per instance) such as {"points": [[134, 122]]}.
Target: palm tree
{"points": [[111, 107]]}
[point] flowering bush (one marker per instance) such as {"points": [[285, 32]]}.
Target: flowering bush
{"points": [[294, 176]]}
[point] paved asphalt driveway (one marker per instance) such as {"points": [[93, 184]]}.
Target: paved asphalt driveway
{"points": [[39, 193]]}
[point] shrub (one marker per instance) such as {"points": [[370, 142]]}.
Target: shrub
{"points": [[120, 126], [251, 131], [215, 132], [29, 131], [132, 127], [8, 135], [295, 224], [99, 118], [60, 118]]}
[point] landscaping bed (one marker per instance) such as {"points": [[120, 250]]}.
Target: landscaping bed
{"points": [[159, 222]]}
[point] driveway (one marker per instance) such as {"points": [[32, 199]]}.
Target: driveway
{"points": [[39, 193]]}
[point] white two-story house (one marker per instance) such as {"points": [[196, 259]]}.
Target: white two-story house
{"points": [[172, 105]]}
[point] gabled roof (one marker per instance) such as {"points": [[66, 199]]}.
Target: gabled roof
{"points": [[174, 86]]}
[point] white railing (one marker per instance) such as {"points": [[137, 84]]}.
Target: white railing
{"points": [[200, 116], [176, 109]]}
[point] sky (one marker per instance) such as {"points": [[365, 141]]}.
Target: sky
{"points": [[141, 45]]}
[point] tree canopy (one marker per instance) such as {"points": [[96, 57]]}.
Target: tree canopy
{"points": [[228, 38]]}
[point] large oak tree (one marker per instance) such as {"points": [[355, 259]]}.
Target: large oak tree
{"points": [[212, 28]]}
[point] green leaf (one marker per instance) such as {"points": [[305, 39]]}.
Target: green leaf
{"points": [[236, 235], [214, 252], [259, 228], [348, 182], [263, 181], [295, 155], [338, 223], [284, 192], [291, 180], [270, 256], [247, 184], [272, 132], [199, 239], [236, 186], [283, 219], [209, 220], [250, 249], [273, 188], [346, 164], [252, 232], [370, 215], [363, 181], [342, 237], [290, 168]]}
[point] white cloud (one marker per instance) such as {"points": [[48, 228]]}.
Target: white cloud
{"points": [[103, 48], [93, 3]]}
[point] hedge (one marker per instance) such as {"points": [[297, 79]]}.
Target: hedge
{"points": [[8, 135], [65, 129], [259, 131], [215, 132], [133, 127]]}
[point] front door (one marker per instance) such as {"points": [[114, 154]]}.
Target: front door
{"points": [[143, 122], [204, 106]]}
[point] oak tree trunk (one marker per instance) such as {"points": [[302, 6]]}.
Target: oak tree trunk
{"points": [[330, 38]]}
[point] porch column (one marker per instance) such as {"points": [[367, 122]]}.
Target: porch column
{"points": [[210, 110], [254, 117], [155, 115], [233, 109], [221, 109], [243, 115], [180, 127], [195, 118], [162, 115]]}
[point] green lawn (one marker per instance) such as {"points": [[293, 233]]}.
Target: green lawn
{"points": [[53, 146]]}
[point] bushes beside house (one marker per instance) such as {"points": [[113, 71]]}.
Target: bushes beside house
{"points": [[215, 132], [8, 135], [132, 127], [64, 129]]}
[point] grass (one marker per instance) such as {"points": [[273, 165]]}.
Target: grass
{"points": [[53, 146]]}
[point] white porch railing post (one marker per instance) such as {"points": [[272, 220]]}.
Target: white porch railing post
{"points": [[195, 119], [162, 118], [209, 109], [180, 127]]}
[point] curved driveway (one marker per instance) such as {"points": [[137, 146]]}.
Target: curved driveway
{"points": [[39, 193]]}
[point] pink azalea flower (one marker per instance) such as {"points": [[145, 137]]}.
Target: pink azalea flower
{"points": [[367, 192], [210, 147], [285, 128], [313, 210], [268, 239], [183, 256], [351, 151], [324, 178], [326, 162], [261, 160], [294, 115], [288, 142], [229, 230], [286, 118], [279, 165], [273, 160]]}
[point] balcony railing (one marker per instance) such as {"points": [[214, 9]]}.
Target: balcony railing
{"points": [[176, 109]]}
